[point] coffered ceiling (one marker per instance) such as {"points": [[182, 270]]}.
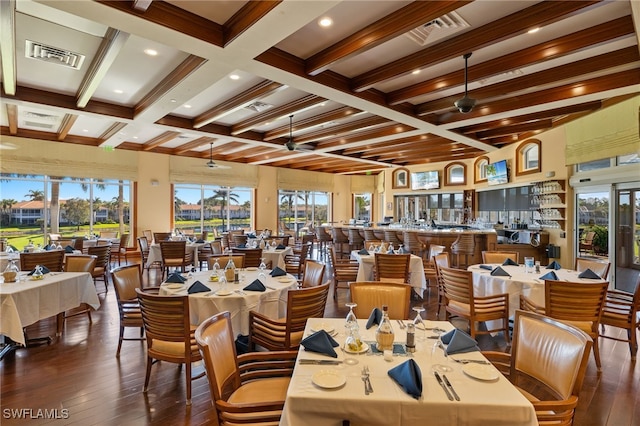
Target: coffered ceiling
{"points": [[375, 89]]}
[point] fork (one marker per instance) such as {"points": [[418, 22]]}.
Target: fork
{"points": [[365, 376]]}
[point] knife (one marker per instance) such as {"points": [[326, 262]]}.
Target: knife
{"points": [[435, 373], [319, 361], [453, 391]]}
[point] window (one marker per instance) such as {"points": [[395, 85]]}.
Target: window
{"points": [[593, 165], [211, 208], [528, 157], [480, 169], [455, 174], [298, 208], [362, 207], [72, 207], [400, 178]]}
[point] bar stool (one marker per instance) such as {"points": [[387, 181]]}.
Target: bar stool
{"points": [[464, 245], [370, 235], [340, 239], [412, 244], [356, 241], [391, 236], [323, 238]]}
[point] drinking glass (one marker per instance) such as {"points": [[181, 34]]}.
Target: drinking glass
{"points": [[351, 329], [262, 265], [419, 323], [439, 359], [351, 321], [528, 264]]}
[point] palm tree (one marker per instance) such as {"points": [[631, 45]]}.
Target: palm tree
{"points": [[54, 207], [220, 197], [6, 205], [35, 195]]}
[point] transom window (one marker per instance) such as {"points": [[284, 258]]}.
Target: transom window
{"points": [[480, 169], [528, 157]]}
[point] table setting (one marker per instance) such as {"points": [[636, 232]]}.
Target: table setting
{"points": [[366, 261], [210, 292], [446, 379]]}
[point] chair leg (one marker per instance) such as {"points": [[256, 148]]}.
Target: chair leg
{"points": [[120, 341], [148, 375], [187, 372], [596, 354]]}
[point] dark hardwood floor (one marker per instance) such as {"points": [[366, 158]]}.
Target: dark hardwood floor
{"points": [[80, 373]]}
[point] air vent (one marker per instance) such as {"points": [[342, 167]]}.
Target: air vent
{"points": [[501, 77], [54, 55], [258, 106], [450, 21], [47, 126]]}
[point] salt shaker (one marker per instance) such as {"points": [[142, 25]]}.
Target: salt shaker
{"points": [[411, 337]]}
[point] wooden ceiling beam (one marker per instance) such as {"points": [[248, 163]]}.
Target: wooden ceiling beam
{"points": [[541, 78], [277, 112], [391, 26], [247, 97], [538, 15], [250, 13], [65, 126], [196, 143], [316, 120], [8, 46], [552, 49], [341, 129], [567, 91], [338, 142], [12, 118], [159, 140], [519, 128]]}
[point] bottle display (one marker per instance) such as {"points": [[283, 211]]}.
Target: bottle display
{"points": [[230, 271]]}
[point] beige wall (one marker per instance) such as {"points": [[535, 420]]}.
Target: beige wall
{"points": [[266, 199], [154, 193]]}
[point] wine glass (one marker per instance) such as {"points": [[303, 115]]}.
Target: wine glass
{"points": [[419, 323], [262, 265], [351, 331], [439, 358]]}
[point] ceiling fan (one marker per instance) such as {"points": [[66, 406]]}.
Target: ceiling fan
{"points": [[466, 104], [212, 164], [291, 145]]}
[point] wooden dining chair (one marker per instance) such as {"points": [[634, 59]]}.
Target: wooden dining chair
{"points": [[121, 248], [223, 259], [170, 336], [79, 263], [547, 363], [148, 235], [108, 234], [440, 260], [175, 255], [576, 303], [313, 274], [126, 279], [294, 263], [53, 260], [460, 301], [622, 310], [499, 256], [344, 271], [429, 267], [286, 333], [101, 269], [391, 267], [601, 268], [252, 256], [373, 294], [143, 245], [161, 236], [245, 389]]}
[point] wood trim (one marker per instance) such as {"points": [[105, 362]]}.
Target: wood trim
{"points": [[447, 172], [520, 157], [247, 16], [66, 125], [334, 115], [260, 90], [540, 14], [12, 118], [476, 170], [182, 71], [381, 31], [8, 46], [159, 140], [397, 182], [205, 140]]}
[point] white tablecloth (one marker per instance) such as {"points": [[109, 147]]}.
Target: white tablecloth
{"points": [[155, 255], [416, 270], [276, 257], [92, 243], [23, 303], [481, 402], [272, 302], [520, 282]]}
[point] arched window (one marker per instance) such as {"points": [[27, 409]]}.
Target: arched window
{"points": [[480, 169], [455, 174], [400, 178], [528, 158]]}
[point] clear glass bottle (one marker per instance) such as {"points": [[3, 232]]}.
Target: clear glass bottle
{"points": [[10, 273], [384, 333], [230, 271]]}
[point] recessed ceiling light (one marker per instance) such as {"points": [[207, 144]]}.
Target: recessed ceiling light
{"points": [[414, 72], [325, 22], [187, 106], [135, 137], [151, 52], [118, 91], [234, 77], [173, 101], [85, 130], [534, 30]]}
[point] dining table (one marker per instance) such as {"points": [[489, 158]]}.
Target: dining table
{"points": [[231, 296], [27, 301], [326, 391], [518, 281], [417, 280], [155, 255], [276, 256]]}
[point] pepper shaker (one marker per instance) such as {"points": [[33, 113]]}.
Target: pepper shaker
{"points": [[411, 337]]}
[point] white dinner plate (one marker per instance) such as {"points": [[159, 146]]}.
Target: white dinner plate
{"points": [[365, 348], [323, 326], [224, 292], [175, 286], [481, 372], [328, 379], [253, 268], [284, 280]]}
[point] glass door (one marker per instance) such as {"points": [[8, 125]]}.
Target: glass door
{"points": [[592, 207], [627, 237]]}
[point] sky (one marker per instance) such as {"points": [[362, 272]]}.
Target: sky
{"points": [[18, 190]]}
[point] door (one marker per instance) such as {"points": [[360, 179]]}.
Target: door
{"points": [[627, 237]]}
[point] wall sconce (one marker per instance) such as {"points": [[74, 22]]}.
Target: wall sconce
{"points": [[550, 174], [154, 182]]}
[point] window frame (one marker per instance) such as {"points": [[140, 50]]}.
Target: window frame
{"points": [[396, 178], [482, 161], [447, 173], [521, 161]]}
